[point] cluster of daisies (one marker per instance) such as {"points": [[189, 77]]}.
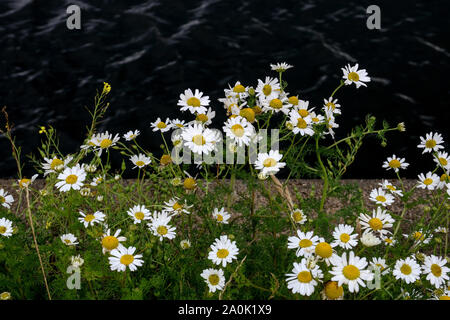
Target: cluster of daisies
{"points": [[336, 259]]}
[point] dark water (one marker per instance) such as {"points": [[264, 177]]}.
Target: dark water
{"points": [[150, 51]]}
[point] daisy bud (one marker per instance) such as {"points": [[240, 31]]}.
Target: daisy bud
{"points": [[251, 91], [262, 176], [1, 246], [383, 144], [420, 257], [165, 160], [231, 237], [401, 127], [5, 296], [175, 181], [117, 177], [289, 125], [426, 209], [100, 198], [438, 240]]}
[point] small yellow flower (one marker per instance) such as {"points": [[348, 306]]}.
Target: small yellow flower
{"points": [[42, 130], [106, 88]]}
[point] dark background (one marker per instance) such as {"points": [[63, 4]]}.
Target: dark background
{"points": [[150, 51]]}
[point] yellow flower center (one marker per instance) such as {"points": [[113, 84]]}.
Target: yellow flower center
{"points": [[394, 163], [162, 230], [269, 162], [293, 100], [324, 250], [430, 143], [89, 217], [201, 117], [303, 113], [427, 181], [333, 291], [2, 200], [331, 105], [344, 237], [139, 215], [436, 270], [388, 240], [110, 242], [193, 102], [239, 88], [418, 235], [380, 266], [248, 114], [213, 279], [105, 143], [199, 140], [56, 163], [305, 243], [444, 298], [2, 229], [67, 241], [276, 103], [140, 163], [165, 159], [219, 217], [301, 123], [189, 183], [444, 177], [222, 253], [381, 198], [391, 187], [350, 272], [126, 259], [298, 216], [24, 182], [238, 130], [71, 179], [405, 269], [161, 125], [376, 224], [353, 76], [304, 277], [267, 89], [443, 161], [177, 206], [257, 109]]}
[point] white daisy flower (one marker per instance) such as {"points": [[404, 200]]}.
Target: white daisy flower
{"points": [[239, 130], [90, 219], [269, 89], [160, 226], [419, 237], [24, 182], [205, 118], [407, 269], [353, 75], [368, 239], [331, 105], [160, 125], [69, 239], [303, 109], [269, 163], [431, 142], [123, 257], [301, 125], [302, 279], [97, 180], [385, 184], [91, 168], [331, 124], [103, 141], [111, 242], [350, 272], [280, 67], [378, 222], [223, 251], [6, 228], [131, 135], [238, 91], [441, 230], [185, 244], [275, 104], [174, 206], [199, 139], [388, 241], [221, 216], [55, 164], [380, 197], [380, 264], [428, 181], [71, 178], [6, 199], [324, 251], [76, 261], [178, 124], [214, 278], [298, 216], [140, 160], [443, 179], [442, 159], [436, 271], [194, 102], [139, 213], [316, 118], [177, 140], [304, 243], [343, 237], [395, 163]]}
